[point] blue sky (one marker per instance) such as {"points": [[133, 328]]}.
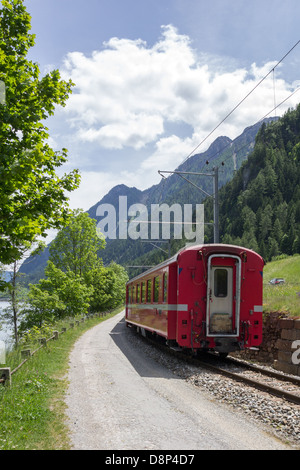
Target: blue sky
{"points": [[154, 77]]}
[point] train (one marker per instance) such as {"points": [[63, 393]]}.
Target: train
{"points": [[204, 298]]}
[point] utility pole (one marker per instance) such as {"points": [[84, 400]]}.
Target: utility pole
{"points": [[215, 195], [216, 204]]}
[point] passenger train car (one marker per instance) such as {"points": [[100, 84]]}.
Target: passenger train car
{"points": [[206, 297]]}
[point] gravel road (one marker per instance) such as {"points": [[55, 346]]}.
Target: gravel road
{"points": [[120, 398]]}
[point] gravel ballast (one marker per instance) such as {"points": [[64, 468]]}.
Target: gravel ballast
{"points": [[282, 417]]}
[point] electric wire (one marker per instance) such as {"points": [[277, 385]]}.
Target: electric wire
{"points": [[240, 102], [260, 120], [219, 152]]}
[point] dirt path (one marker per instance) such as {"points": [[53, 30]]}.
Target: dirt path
{"points": [[120, 398]]}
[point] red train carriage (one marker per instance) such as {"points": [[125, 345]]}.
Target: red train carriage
{"points": [[204, 297]]}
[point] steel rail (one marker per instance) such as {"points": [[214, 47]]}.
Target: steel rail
{"points": [[275, 391], [253, 383], [270, 373]]}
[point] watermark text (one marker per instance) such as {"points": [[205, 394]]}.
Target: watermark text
{"points": [[160, 221], [296, 354]]}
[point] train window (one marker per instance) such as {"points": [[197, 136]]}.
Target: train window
{"points": [[149, 285], [143, 292], [138, 294], [129, 294], [220, 282], [165, 287], [156, 289]]}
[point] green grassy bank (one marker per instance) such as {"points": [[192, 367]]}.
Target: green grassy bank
{"points": [[32, 410], [285, 297]]}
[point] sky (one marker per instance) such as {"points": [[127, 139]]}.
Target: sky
{"points": [[153, 78]]}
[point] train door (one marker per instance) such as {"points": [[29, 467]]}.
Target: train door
{"points": [[221, 300], [223, 296]]}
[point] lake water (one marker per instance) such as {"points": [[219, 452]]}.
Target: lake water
{"points": [[4, 331]]}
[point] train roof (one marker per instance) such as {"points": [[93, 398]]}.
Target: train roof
{"points": [[207, 249]]}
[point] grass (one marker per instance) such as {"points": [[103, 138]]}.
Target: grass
{"points": [[32, 410], [286, 297]]}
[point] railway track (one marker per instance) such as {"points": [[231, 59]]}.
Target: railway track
{"points": [[261, 378], [274, 383]]}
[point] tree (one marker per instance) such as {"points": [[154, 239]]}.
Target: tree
{"points": [[58, 296], [17, 293], [119, 277], [100, 279], [285, 245], [43, 307], [109, 286], [273, 248], [32, 195], [76, 246], [277, 230], [265, 224], [75, 250], [296, 245]]}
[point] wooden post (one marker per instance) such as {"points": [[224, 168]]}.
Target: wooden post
{"points": [[5, 375], [26, 353], [43, 341]]}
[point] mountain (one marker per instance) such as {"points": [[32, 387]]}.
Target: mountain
{"points": [[260, 206], [224, 153], [6, 276]]}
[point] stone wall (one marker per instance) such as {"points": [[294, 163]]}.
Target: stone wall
{"points": [[279, 347], [288, 347], [267, 351]]}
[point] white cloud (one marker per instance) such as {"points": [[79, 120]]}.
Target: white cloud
{"points": [[127, 91], [134, 131], [128, 95], [96, 184], [168, 154]]}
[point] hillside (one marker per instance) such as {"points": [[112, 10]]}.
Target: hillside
{"points": [[260, 206], [284, 297], [171, 190], [176, 190]]}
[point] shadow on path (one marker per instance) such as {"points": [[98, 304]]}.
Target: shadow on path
{"points": [[127, 340]]}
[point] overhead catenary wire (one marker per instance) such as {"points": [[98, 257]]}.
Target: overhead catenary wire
{"points": [[241, 101], [215, 193], [260, 120]]}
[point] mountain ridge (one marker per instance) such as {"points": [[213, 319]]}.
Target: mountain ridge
{"points": [[170, 190]]}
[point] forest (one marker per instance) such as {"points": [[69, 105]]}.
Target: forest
{"points": [[260, 206]]}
